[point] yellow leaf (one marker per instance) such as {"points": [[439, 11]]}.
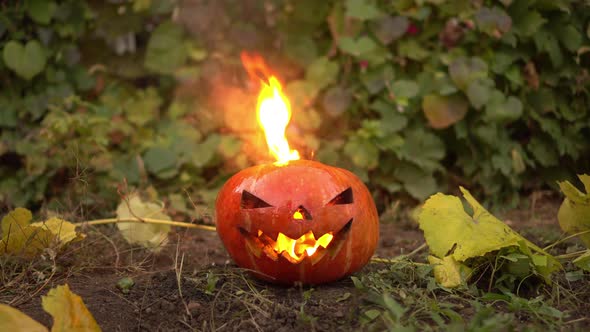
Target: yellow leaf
{"points": [[152, 236], [17, 219], [68, 311], [448, 272], [63, 231], [27, 242], [574, 212], [14, 320], [20, 237], [450, 231]]}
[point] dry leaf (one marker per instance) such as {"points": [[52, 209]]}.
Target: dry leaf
{"points": [[574, 212], [20, 237], [152, 236], [14, 320], [451, 232], [68, 311]]}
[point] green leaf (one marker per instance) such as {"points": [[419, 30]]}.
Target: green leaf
{"points": [[9, 114], [444, 111], [412, 49], [371, 314], [361, 9], [405, 89], [546, 41], [151, 236], [143, 106], [301, 48], [26, 61], [392, 121], [502, 109], [417, 182], [322, 72], [125, 284], [389, 29], [336, 101], [569, 36], [431, 147], [166, 50], [574, 212], [464, 70], [159, 159], [543, 151], [479, 92], [205, 151], [41, 11], [467, 236], [528, 24], [493, 20], [375, 80], [14, 320], [68, 311], [229, 146], [357, 47], [363, 153]]}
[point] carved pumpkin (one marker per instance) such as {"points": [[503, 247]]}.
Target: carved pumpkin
{"points": [[300, 222]]}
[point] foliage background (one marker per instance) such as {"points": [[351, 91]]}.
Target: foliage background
{"points": [[415, 96]]}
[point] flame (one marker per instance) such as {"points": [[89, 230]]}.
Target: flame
{"points": [[273, 109], [305, 246]]}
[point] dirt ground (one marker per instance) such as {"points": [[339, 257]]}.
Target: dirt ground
{"points": [[193, 285]]}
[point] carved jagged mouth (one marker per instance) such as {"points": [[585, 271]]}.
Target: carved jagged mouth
{"points": [[296, 250]]}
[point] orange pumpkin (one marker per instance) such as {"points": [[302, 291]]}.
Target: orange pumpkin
{"points": [[300, 222]]}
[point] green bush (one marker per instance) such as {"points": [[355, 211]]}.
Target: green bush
{"points": [[412, 95]]}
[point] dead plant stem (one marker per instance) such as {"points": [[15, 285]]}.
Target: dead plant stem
{"points": [[147, 221]]}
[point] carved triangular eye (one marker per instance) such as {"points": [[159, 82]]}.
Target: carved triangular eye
{"points": [[344, 197], [250, 201]]}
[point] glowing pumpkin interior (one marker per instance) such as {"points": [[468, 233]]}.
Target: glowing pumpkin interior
{"points": [[293, 250]]}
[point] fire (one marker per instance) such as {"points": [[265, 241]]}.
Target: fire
{"points": [[302, 247], [273, 109]]}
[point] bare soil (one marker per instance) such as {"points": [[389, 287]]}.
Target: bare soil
{"points": [[193, 285]]}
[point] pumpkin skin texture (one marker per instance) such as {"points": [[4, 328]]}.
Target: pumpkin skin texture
{"points": [[294, 199]]}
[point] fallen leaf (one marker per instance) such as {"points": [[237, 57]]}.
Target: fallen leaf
{"points": [[14, 320], [68, 311], [26, 242], [20, 237], [17, 219], [152, 236], [574, 212], [125, 284], [61, 230], [448, 272], [452, 232]]}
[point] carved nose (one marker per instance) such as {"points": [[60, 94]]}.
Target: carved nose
{"points": [[301, 213]]}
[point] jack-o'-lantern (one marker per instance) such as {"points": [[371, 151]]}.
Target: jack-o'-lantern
{"points": [[304, 221], [294, 220]]}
